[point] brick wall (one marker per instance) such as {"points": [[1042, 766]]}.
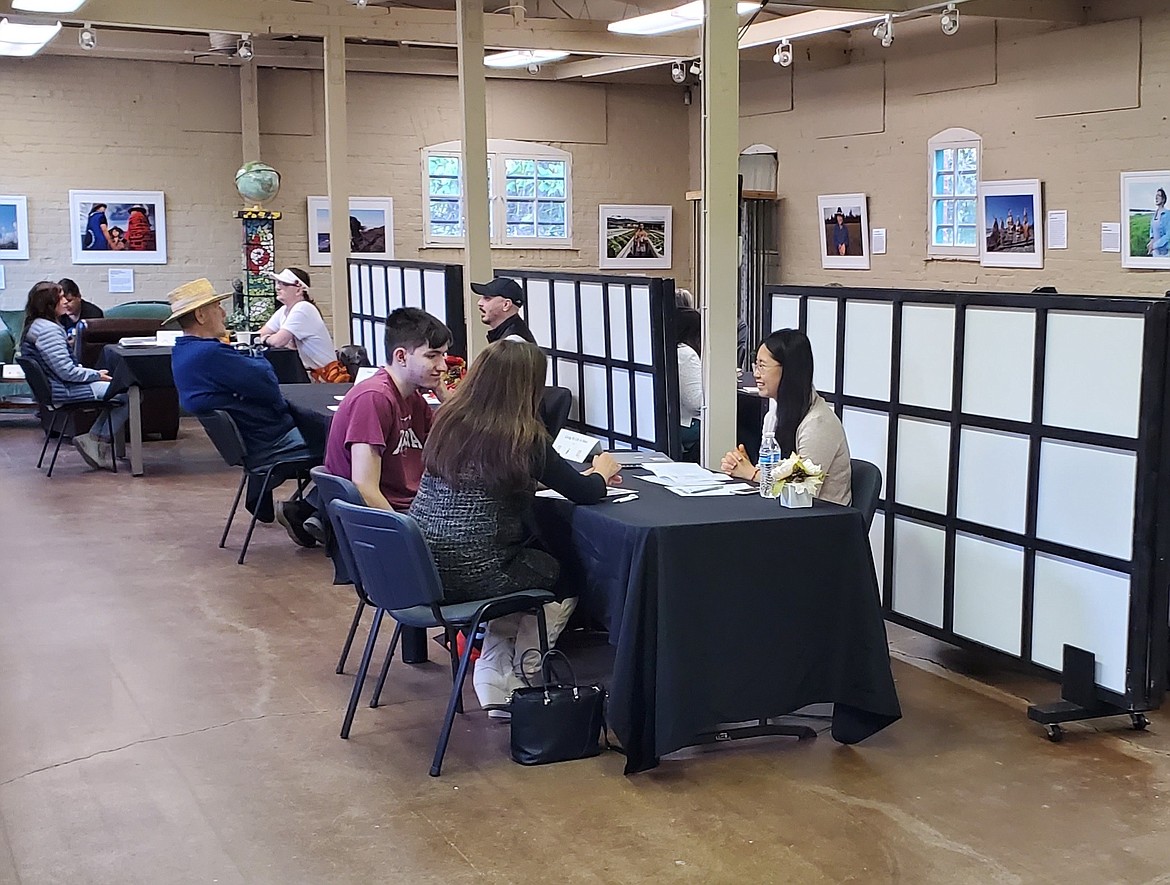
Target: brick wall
{"points": [[1077, 157], [112, 124]]}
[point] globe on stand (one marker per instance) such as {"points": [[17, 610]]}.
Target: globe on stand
{"points": [[257, 182]]}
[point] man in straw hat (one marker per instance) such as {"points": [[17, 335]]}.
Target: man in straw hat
{"points": [[211, 375]]}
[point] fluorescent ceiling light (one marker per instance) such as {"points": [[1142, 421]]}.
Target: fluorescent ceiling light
{"points": [[57, 6], [806, 24], [667, 21], [22, 41], [522, 58]]}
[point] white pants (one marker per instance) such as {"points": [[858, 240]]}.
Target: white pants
{"points": [[498, 670]]}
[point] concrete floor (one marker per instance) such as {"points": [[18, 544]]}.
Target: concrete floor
{"points": [[167, 716]]}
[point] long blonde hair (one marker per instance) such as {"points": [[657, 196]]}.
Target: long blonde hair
{"points": [[489, 433]]}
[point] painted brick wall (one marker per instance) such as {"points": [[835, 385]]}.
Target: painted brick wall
{"points": [[100, 123], [1078, 158]]}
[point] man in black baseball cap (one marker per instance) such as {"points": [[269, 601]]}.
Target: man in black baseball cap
{"points": [[499, 308]]}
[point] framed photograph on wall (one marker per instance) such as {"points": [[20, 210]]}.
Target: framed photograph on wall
{"points": [[13, 228], [843, 220], [117, 227], [633, 237], [1145, 220], [371, 228], [1013, 228]]}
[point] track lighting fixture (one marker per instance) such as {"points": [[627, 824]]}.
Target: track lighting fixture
{"points": [[949, 21], [678, 72], [783, 56], [244, 48], [697, 68], [87, 38], [885, 31]]}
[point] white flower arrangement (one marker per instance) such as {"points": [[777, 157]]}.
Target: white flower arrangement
{"points": [[798, 472]]}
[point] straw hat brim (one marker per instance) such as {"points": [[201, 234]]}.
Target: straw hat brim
{"points": [[198, 303]]}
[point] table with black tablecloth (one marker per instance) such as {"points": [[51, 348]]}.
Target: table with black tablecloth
{"points": [[726, 610], [135, 369]]}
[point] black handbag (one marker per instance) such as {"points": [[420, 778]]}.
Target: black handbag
{"points": [[557, 721]]}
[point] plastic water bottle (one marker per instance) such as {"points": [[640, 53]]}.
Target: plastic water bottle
{"points": [[769, 458]]}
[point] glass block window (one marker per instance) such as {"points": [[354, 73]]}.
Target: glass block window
{"points": [[954, 158], [529, 187]]}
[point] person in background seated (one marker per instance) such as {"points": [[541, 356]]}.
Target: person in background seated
{"points": [[298, 324], [43, 340], [499, 308], [800, 419], [376, 438], [683, 299], [76, 307], [211, 375], [690, 380], [484, 458]]}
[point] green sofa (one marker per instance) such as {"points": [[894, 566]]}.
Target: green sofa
{"points": [[10, 323]]}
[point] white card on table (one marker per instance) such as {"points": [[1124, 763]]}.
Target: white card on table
{"points": [[573, 446], [365, 372]]}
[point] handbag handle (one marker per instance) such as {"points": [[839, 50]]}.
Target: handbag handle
{"points": [[546, 669]]}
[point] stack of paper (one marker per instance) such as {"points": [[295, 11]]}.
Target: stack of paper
{"points": [[12, 372], [691, 480], [140, 341]]}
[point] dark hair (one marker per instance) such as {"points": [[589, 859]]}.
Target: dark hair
{"points": [[1162, 192], [69, 287], [792, 350], [489, 433], [688, 327], [41, 304], [412, 327]]}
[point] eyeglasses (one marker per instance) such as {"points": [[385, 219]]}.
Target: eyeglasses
{"points": [[757, 366]]}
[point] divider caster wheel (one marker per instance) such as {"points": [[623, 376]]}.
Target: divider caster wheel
{"points": [[1055, 734], [1139, 721]]}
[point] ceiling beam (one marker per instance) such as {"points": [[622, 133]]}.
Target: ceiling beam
{"points": [[424, 27], [600, 67]]}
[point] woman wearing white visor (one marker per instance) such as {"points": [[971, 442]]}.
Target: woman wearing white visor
{"points": [[298, 324]]}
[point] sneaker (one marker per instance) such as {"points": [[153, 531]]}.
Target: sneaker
{"points": [[93, 451], [314, 527], [286, 516]]}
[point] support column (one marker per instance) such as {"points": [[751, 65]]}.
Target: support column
{"points": [[250, 110], [477, 257], [720, 225], [337, 180]]}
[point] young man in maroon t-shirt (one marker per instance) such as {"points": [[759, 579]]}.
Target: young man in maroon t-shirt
{"points": [[376, 438]]}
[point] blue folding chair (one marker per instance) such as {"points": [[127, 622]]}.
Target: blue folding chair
{"points": [[398, 574]]}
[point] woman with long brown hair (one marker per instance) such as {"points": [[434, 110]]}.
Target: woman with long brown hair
{"points": [[483, 459], [43, 340]]}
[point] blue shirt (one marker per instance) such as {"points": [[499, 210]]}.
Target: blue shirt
{"points": [[95, 240], [211, 375], [1160, 233]]}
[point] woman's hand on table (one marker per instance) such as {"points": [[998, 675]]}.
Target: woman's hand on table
{"points": [[608, 467], [103, 375], [738, 464]]}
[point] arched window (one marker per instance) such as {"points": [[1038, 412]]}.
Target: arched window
{"points": [[954, 158], [529, 188]]}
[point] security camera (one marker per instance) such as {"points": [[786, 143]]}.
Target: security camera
{"points": [[885, 31], [87, 38], [678, 72], [783, 56], [244, 48], [949, 21], [534, 68]]}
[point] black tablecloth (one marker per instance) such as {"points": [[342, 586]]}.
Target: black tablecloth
{"points": [[309, 404], [727, 610], [150, 367]]}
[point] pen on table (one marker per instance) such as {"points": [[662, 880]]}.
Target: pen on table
{"points": [[624, 498]]}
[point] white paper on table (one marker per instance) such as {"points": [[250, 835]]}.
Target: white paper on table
{"points": [[1110, 236], [879, 241], [686, 473], [332, 408], [12, 372], [611, 492], [339, 396], [1058, 229], [577, 447], [365, 372], [166, 337], [727, 489]]}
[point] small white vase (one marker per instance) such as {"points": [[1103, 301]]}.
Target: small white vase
{"points": [[795, 496]]}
